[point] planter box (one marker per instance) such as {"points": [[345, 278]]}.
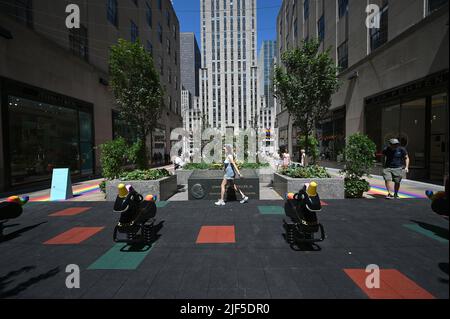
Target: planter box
{"points": [[328, 188], [183, 176], [265, 175], [205, 185], [164, 188]]}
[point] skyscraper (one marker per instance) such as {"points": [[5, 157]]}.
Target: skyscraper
{"points": [[267, 113], [228, 91], [265, 71], [189, 62]]}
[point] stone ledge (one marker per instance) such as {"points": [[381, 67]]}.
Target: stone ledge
{"points": [[328, 188], [163, 188]]}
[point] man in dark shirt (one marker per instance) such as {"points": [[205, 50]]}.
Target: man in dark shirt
{"points": [[396, 166]]}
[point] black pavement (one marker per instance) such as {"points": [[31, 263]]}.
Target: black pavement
{"points": [[404, 235]]}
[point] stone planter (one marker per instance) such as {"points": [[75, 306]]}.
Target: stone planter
{"points": [[205, 185], [183, 176], [164, 188], [328, 188], [265, 175]]}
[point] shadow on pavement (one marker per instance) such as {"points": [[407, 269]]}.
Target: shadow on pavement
{"points": [[17, 233], [24, 285], [438, 231]]}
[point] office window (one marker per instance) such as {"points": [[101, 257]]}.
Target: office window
{"points": [[436, 4], [168, 46], [306, 9], [342, 8], [321, 28], [149, 15], [112, 12], [135, 2], [160, 5], [168, 18], [295, 28], [134, 32], [150, 47], [343, 56], [160, 33], [78, 39], [24, 12], [378, 37]]}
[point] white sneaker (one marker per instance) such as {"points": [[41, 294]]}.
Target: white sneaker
{"points": [[244, 200], [220, 203]]}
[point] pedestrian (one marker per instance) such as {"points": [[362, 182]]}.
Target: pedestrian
{"points": [[302, 158], [230, 174], [286, 158], [396, 166]]}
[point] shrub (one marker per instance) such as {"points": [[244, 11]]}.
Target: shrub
{"points": [[359, 156], [102, 187], [144, 175], [354, 188], [313, 171], [113, 157], [247, 165]]}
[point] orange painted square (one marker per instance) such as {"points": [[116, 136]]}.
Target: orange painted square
{"points": [[216, 235], [393, 285], [75, 235], [70, 211]]}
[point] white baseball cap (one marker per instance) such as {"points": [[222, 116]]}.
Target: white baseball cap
{"points": [[394, 141]]}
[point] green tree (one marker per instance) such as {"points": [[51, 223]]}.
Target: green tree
{"points": [[305, 84], [136, 87]]}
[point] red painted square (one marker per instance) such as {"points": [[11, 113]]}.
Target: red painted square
{"points": [[71, 211], [75, 235], [393, 285], [216, 235], [323, 203]]}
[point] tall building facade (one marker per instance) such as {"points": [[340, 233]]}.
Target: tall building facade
{"points": [[228, 91], [267, 114], [190, 60], [56, 107], [394, 79]]}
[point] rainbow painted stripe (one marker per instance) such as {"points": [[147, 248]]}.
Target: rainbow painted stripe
{"points": [[378, 190], [86, 189]]}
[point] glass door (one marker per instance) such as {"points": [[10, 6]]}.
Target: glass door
{"points": [[439, 138]]}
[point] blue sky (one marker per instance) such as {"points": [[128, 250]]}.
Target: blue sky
{"points": [[188, 12]]}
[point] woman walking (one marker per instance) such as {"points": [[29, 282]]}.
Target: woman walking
{"points": [[230, 174]]}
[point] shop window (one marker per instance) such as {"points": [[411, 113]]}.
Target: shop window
{"points": [[43, 137]]}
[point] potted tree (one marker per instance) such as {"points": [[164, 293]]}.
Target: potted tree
{"points": [[136, 87], [304, 85], [359, 156]]}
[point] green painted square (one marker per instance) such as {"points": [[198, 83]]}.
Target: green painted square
{"points": [[271, 210], [119, 258], [426, 232], [162, 204]]}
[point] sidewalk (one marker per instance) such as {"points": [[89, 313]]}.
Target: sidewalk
{"points": [[86, 191], [409, 188]]}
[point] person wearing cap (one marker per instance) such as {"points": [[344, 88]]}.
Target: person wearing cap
{"points": [[396, 166]]}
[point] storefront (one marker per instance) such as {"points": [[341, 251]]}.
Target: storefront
{"points": [[43, 130], [331, 135], [416, 114]]}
